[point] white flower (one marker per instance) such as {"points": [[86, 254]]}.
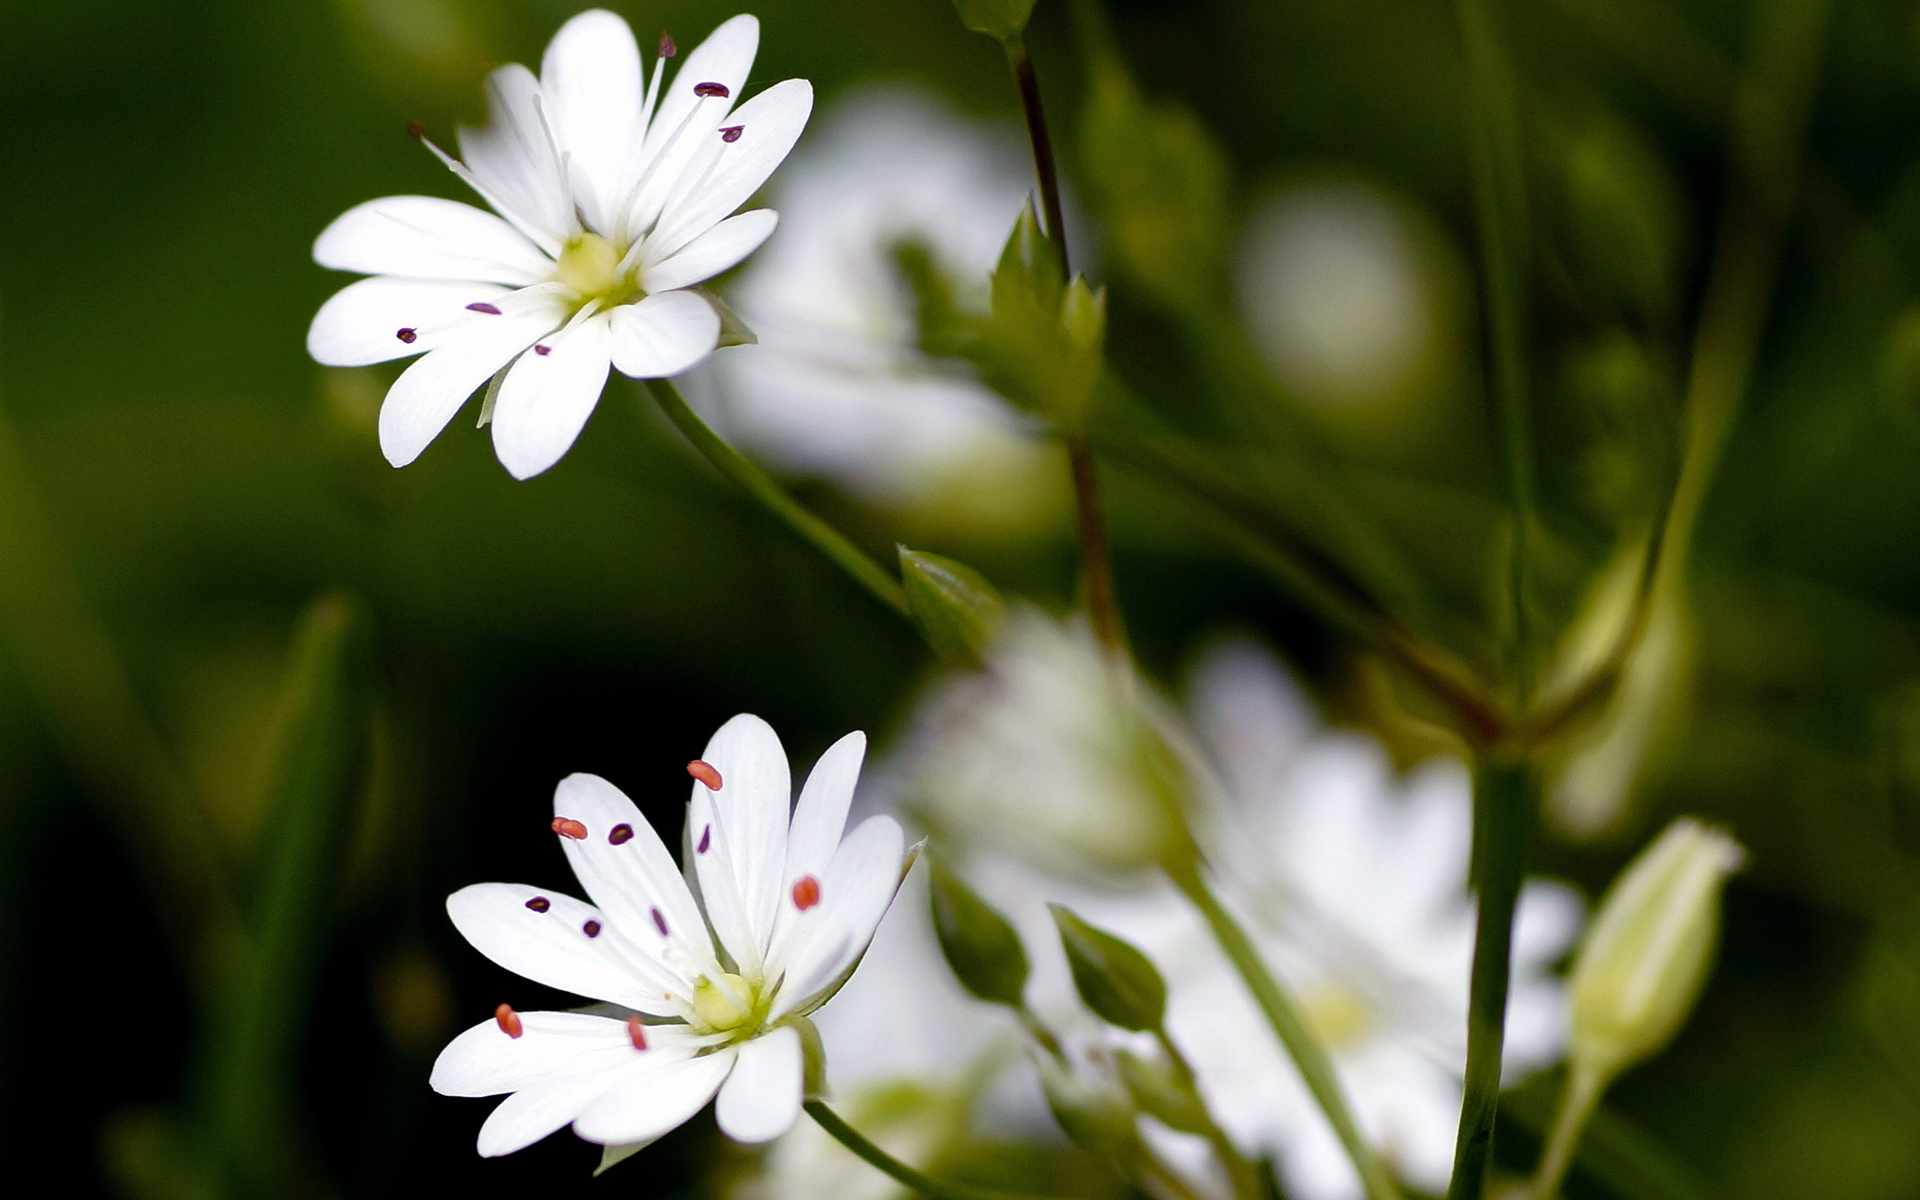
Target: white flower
{"points": [[837, 386], [714, 967], [611, 200]]}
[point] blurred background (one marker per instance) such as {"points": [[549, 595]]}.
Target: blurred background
{"points": [[179, 483]]}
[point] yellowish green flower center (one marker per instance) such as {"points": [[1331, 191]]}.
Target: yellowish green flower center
{"points": [[1341, 1018], [590, 266], [728, 1003]]}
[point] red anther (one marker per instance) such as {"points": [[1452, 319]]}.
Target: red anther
{"points": [[704, 772], [620, 834], [481, 306], [568, 827], [417, 131], [407, 335], [806, 892], [591, 929], [706, 839], [539, 904], [659, 922], [667, 48], [509, 1021], [731, 133], [637, 1033], [542, 351], [711, 89]]}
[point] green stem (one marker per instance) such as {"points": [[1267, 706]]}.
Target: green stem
{"points": [[1290, 1025], [1503, 801], [1500, 216], [892, 1167], [758, 484], [1576, 1106], [1241, 1173], [1044, 168]]}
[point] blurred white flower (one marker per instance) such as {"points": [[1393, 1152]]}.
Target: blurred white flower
{"points": [[1355, 885], [611, 199], [715, 961], [836, 386], [1336, 290]]}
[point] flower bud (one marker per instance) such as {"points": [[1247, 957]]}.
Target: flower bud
{"points": [[957, 611], [1094, 1116], [979, 944], [1000, 19], [1163, 1091], [1646, 955], [1114, 979]]}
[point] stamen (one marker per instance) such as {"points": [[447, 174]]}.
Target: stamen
{"points": [[509, 1021], [542, 351], [659, 922], [667, 48], [539, 904], [620, 835], [806, 892], [591, 929], [731, 133], [407, 334], [417, 130], [482, 306], [705, 773], [568, 827], [706, 839], [711, 89], [637, 1033]]}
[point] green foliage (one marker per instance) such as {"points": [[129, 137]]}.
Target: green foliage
{"points": [[1159, 181], [1163, 1091], [980, 945], [1114, 979], [957, 610]]}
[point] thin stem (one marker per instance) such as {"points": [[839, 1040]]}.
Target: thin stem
{"points": [[1500, 216], [1241, 1173], [1290, 1025], [758, 484], [1044, 169], [1096, 559], [1503, 800], [892, 1167], [1576, 1106]]}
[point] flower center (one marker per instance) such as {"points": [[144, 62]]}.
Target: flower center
{"points": [[726, 1003], [1341, 1018], [590, 267]]}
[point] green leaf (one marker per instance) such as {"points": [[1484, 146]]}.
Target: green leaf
{"points": [[979, 944], [1115, 980], [1000, 19], [956, 609]]}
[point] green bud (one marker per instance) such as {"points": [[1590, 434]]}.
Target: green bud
{"points": [[957, 611], [1094, 1118], [1645, 957], [1115, 980], [981, 947], [1000, 19], [1163, 1091], [1027, 280]]}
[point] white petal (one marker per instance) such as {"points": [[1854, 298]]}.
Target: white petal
{"points": [[514, 157], [552, 946], [547, 398], [653, 1100], [855, 890], [663, 334], [634, 878], [591, 76], [428, 393], [360, 323], [428, 238], [769, 124], [554, 1048], [740, 835], [761, 1099], [712, 252], [821, 815], [724, 58]]}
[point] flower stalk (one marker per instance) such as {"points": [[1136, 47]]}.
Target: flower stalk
{"points": [[1289, 1024], [771, 496], [892, 1167]]}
